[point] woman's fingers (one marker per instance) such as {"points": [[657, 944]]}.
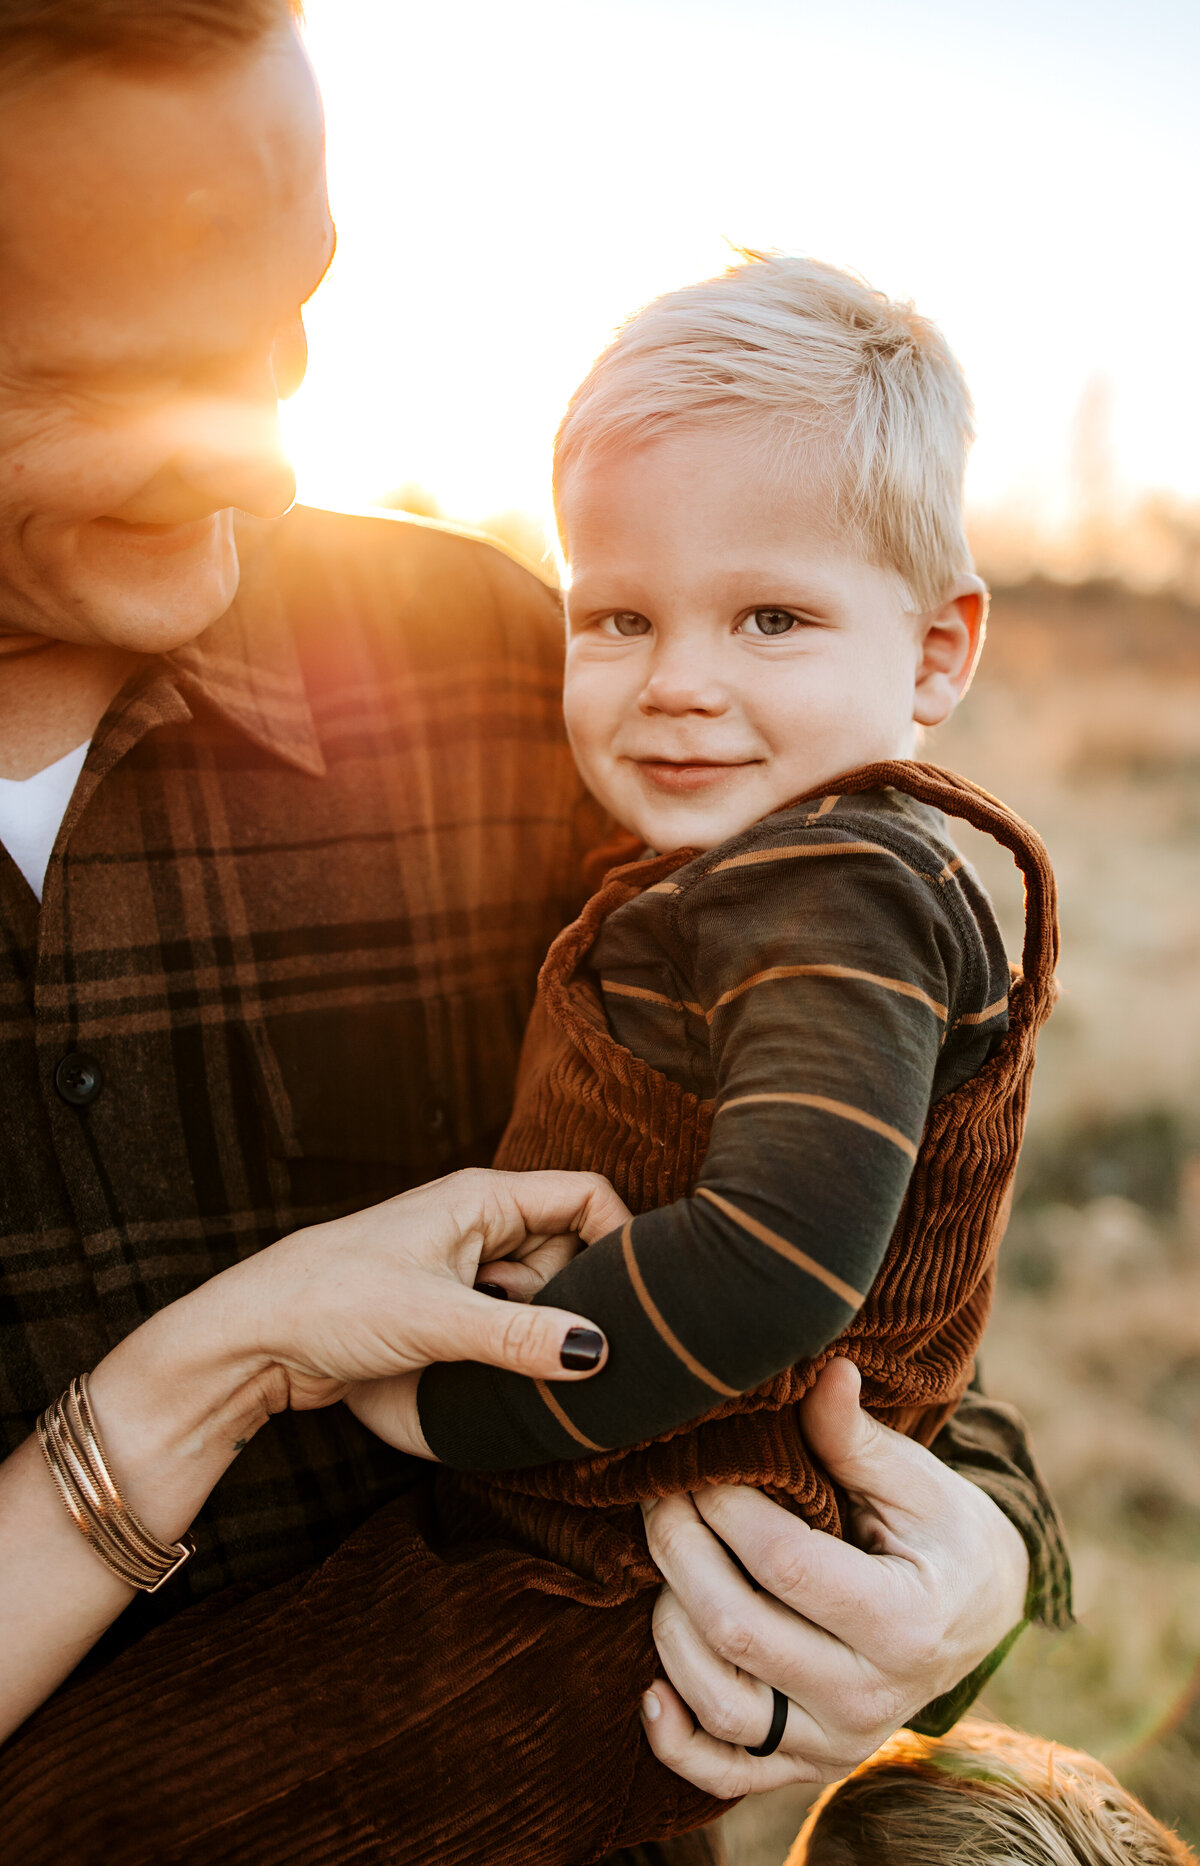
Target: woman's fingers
{"points": [[524, 1275], [718, 1768], [849, 1594], [728, 1702], [546, 1344], [715, 1621], [515, 1206]]}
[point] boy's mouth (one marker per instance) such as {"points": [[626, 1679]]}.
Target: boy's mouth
{"points": [[685, 774]]}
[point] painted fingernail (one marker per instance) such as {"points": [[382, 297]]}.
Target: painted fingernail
{"points": [[651, 1708], [493, 1289], [581, 1349]]}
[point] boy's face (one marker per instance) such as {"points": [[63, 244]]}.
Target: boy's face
{"points": [[727, 649]]}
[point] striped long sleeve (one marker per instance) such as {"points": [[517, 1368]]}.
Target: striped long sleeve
{"points": [[822, 979]]}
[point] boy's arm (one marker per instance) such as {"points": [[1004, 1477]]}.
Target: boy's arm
{"points": [[826, 1009]]}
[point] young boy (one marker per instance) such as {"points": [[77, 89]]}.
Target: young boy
{"points": [[784, 1039], [984, 1793], [789, 1039]]}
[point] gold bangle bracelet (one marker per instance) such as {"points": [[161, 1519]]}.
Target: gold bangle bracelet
{"points": [[71, 1446]]}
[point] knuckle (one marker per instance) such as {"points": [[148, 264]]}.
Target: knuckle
{"points": [[787, 1560], [518, 1337], [867, 1718], [729, 1636], [857, 1716], [723, 1718], [732, 1780]]}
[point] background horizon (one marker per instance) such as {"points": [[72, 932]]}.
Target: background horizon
{"points": [[510, 184]]}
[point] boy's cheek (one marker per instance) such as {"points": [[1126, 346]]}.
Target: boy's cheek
{"points": [[591, 708]]}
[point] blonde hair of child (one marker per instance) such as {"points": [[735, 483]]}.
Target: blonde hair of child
{"points": [[838, 382], [983, 1796]]}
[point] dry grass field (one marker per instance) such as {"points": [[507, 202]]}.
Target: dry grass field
{"points": [[1086, 718]]}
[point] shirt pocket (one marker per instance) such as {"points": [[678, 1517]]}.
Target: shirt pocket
{"points": [[412, 1088], [649, 1011]]}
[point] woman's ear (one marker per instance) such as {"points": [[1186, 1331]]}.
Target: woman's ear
{"points": [[949, 640]]}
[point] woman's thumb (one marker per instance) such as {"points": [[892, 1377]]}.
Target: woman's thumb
{"points": [[546, 1344]]}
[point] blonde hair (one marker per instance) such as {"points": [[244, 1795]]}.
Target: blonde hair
{"points": [[834, 378], [983, 1796]]}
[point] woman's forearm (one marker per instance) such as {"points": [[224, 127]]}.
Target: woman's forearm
{"points": [[173, 1403], [363, 1298]]}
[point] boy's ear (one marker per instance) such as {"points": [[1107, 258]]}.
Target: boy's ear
{"points": [[949, 642]]}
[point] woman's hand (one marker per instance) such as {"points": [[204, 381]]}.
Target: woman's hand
{"points": [[390, 1289], [363, 1298], [508, 1237], [857, 1638]]}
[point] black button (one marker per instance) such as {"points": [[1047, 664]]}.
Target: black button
{"points": [[79, 1078]]}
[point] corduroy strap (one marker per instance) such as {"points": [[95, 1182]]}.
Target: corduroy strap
{"points": [[957, 796]]}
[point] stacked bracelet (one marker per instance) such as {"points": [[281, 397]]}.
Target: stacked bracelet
{"points": [[68, 1437]]}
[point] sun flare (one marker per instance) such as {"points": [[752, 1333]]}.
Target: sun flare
{"points": [[510, 183]]}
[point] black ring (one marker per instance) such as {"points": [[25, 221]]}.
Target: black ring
{"points": [[779, 1717]]}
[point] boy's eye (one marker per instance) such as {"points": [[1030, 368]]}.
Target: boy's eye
{"points": [[770, 622], [626, 622]]}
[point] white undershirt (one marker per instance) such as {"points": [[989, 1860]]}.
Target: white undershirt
{"points": [[32, 810]]}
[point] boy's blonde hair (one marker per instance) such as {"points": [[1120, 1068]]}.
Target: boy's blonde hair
{"points": [[838, 381], [983, 1796]]}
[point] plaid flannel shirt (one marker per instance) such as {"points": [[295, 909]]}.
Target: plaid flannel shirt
{"points": [[295, 914]]}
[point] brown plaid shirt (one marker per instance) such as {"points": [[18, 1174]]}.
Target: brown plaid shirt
{"points": [[295, 915]]}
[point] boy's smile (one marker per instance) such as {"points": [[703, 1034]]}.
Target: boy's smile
{"points": [[728, 648]]}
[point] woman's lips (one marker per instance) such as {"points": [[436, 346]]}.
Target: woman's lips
{"points": [[668, 775]]}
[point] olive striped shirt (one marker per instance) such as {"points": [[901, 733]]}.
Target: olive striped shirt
{"points": [[821, 979]]}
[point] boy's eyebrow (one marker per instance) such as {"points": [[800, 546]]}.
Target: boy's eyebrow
{"points": [[770, 593]]}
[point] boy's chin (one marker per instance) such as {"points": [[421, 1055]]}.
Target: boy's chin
{"points": [[665, 830]]}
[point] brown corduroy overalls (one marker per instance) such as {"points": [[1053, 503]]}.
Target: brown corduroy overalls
{"points": [[584, 1102]]}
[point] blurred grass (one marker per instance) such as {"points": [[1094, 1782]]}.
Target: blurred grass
{"points": [[1086, 718]]}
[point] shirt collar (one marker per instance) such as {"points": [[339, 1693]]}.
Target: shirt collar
{"points": [[246, 668]]}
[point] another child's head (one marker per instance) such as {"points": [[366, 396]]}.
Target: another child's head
{"points": [[983, 1796], [759, 492]]}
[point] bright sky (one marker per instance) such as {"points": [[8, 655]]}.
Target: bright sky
{"points": [[509, 181]]}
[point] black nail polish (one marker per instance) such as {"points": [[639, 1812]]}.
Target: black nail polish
{"points": [[493, 1289], [581, 1349]]}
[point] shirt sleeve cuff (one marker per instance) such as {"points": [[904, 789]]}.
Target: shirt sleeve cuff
{"points": [[944, 1712]]}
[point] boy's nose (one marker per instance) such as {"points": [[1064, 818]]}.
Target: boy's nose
{"points": [[681, 683]]}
